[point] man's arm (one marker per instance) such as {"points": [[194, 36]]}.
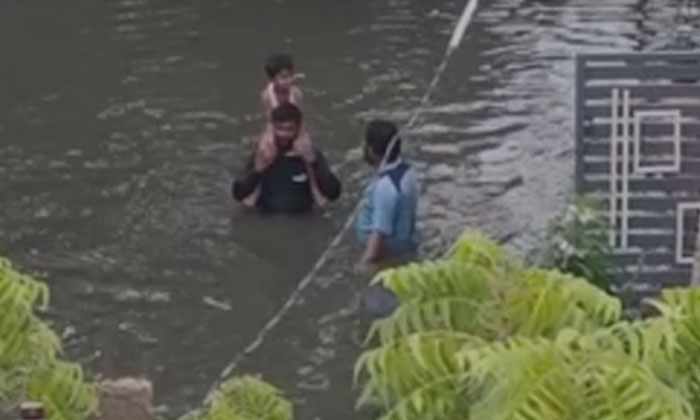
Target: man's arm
{"points": [[385, 199], [327, 182], [373, 250], [246, 183]]}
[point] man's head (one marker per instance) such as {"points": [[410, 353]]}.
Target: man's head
{"points": [[286, 120], [378, 136], [280, 70]]}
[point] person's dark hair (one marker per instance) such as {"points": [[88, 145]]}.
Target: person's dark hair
{"points": [[287, 112], [275, 64], [378, 136]]}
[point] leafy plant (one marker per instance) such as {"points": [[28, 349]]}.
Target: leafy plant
{"points": [[245, 398], [479, 336], [570, 377], [577, 243], [30, 367], [480, 289]]}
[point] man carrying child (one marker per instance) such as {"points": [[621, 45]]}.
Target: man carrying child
{"points": [[288, 181], [286, 173]]}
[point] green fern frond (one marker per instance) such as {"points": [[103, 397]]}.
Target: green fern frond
{"points": [[29, 364], [467, 297], [617, 389], [680, 307], [246, 398], [63, 391], [567, 379], [24, 338], [676, 302], [475, 248], [548, 301], [478, 337], [439, 399], [522, 377], [398, 368], [434, 279], [419, 376], [458, 314], [442, 294]]}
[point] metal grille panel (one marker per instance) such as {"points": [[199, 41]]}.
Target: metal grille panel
{"points": [[638, 149]]}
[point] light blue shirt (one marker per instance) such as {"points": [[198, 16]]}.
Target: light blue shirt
{"points": [[389, 207]]}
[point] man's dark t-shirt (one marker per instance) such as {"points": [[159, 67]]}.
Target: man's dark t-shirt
{"points": [[285, 186]]}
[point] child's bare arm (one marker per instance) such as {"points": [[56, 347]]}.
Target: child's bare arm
{"points": [[265, 102], [298, 95]]}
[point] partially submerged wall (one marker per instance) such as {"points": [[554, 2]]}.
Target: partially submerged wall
{"points": [[125, 399]]}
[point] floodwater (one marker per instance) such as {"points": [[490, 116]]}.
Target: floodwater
{"points": [[122, 123]]}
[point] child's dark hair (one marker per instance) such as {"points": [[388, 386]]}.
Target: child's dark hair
{"points": [[378, 136], [287, 112], [277, 63]]}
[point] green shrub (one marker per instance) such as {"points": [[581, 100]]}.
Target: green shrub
{"points": [[245, 398], [30, 367], [577, 243], [478, 336]]}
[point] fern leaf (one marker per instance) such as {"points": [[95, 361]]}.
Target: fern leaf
{"points": [[398, 368], [245, 398], [29, 349], [477, 249]]}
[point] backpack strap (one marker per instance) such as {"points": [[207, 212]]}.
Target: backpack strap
{"points": [[396, 174]]}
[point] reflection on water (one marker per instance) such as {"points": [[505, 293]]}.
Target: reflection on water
{"points": [[121, 124]]}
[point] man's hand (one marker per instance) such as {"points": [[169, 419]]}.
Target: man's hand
{"points": [[263, 158], [305, 148]]}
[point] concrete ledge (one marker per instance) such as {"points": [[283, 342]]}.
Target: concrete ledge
{"points": [[125, 399]]}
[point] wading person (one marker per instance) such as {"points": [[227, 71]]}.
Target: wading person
{"points": [[289, 180], [386, 223]]}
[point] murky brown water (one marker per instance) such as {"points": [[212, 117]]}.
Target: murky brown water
{"points": [[121, 123]]}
